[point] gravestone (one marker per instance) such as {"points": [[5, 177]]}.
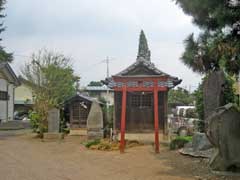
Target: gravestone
{"points": [[53, 133], [213, 88], [95, 122]]}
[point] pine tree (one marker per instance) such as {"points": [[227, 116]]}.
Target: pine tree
{"points": [[218, 44], [4, 56]]}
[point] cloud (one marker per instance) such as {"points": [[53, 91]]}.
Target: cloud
{"points": [[90, 30]]}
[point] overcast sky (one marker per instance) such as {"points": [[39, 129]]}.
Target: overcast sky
{"points": [[90, 30]]}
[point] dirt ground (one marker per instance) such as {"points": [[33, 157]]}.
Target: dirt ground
{"points": [[23, 157]]}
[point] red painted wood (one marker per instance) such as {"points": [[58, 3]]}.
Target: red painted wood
{"points": [[124, 91], [156, 124], [131, 89], [123, 119], [125, 79]]}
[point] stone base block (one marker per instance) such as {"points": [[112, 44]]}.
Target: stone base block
{"points": [[93, 134], [52, 137], [78, 132]]}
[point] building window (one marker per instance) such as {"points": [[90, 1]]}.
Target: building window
{"points": [[3, 95], [147, 100], [141, 100], [75, 111], [136, 100]]}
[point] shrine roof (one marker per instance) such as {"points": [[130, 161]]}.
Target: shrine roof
{"points": [[142, 68], [82, 97]]}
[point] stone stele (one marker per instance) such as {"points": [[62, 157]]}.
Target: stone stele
{"points": [[223, 132], [53, 121], [213, 88], [95, 122], [53, 126]]}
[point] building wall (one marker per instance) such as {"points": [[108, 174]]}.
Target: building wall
{"points": [[11, 101], [140, 119], [108, 96], [6, 106], [3, 104], [23, 93], [103, 94]]}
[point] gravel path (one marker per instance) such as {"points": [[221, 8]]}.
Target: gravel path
{"points": [[26, 158]]}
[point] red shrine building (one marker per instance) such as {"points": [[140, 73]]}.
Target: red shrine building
{"points": [[140, 96]]}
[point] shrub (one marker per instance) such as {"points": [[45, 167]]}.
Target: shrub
{"points": [[108, 119], [91, 143], [191, 113], [179, 142], [35, 121]]}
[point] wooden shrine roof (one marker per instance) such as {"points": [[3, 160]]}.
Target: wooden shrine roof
{"points": [[142, 68]]}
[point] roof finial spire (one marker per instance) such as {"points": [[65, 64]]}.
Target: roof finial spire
{"points": [[143, 50]]}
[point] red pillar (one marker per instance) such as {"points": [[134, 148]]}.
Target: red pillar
{"points": [[156, 124], [123, 119]]}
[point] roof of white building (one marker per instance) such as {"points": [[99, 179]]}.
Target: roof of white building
{"points": [[98, 88], [6, 69]]}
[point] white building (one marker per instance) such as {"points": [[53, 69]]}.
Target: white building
{"points": [[23, 97], [101, 92], [8, 82]]}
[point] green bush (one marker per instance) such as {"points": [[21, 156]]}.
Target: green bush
{"points": [[34, 121], [36, 125], [108, 119], [199, 106], [179, 142], [191, 113], [65, 130], [88, 144]]}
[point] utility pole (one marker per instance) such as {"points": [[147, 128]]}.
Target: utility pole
{"points": [[107, 62]]}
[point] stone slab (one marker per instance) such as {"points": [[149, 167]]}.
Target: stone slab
{"points": [[199, 147], [53, 121], [95, 122], [95, 117]]}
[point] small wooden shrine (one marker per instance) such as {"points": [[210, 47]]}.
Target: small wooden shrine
{"points": [[140, 96], [77, 110]]}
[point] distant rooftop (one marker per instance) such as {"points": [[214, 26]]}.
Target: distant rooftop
{"points": [[82, 96], [98, 88]]}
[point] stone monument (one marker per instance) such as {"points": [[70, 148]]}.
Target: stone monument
{"points": [[223, 132], [95, 122], [53, 126], [213, 88], [53, 120]]}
